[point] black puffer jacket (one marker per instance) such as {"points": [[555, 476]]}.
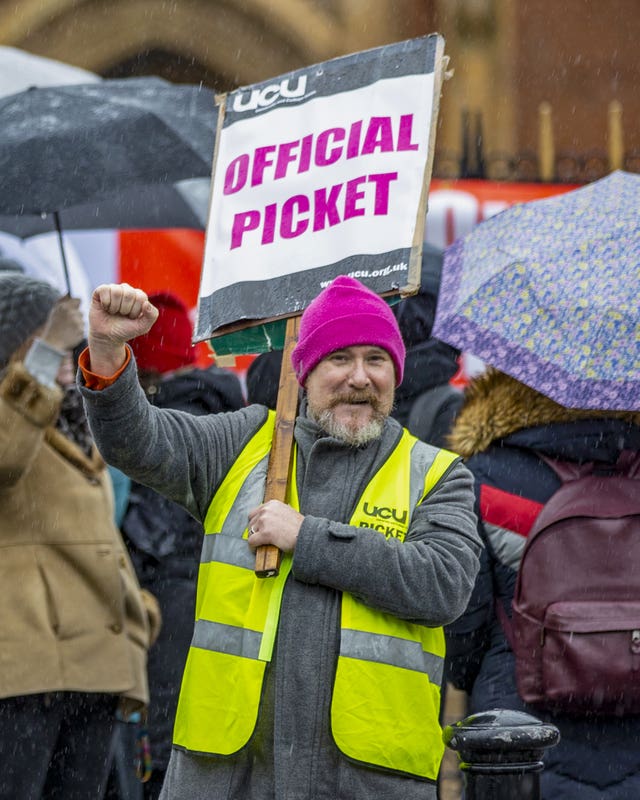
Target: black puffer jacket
{"points": [[165, 542], [501, 427]]}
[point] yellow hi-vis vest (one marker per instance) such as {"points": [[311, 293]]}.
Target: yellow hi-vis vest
{"points": [[386, 695]]}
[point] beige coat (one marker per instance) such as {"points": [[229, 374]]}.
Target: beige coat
{"points": [[72, 616]]}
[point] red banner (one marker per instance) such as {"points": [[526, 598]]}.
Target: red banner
{"points": [[456, 206]]}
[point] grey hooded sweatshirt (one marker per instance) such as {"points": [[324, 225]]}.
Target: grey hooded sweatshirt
{"points": [[427, 578]]}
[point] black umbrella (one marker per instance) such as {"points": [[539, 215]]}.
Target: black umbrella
{"points": [[101, 150], [182, 204]]}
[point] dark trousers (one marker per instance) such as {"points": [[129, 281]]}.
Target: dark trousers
{"points": [[154, 785], [55, 746]]}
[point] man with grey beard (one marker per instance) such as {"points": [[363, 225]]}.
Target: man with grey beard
{"points": [[322, 683]]}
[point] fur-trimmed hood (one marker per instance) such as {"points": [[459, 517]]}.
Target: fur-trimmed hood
{"points": [[496, 405]]}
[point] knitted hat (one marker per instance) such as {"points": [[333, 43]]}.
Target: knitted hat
{"points": [[25, 305], [346, 314], [167, 346]]}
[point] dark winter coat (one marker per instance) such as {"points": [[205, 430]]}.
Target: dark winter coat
{"points": [[500, 430]]}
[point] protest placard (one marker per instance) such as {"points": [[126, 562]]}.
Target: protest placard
{"points": [[317, 173]]}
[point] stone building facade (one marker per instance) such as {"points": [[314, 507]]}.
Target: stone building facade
{"points": [[508, 57]]}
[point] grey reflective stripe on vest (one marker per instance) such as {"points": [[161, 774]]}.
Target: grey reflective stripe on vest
{"points": [[228, 547], [227, 550], [421, 460], [250, 496], [422, 457], [391, 650], [226, 639]]}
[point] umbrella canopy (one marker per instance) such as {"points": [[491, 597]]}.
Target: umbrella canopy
{"points": [[20, 69], [183, 204], [548, 291], [180, 205], [68, 145]]}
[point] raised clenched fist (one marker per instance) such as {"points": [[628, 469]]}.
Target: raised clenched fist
{"points": [[119, 312]]}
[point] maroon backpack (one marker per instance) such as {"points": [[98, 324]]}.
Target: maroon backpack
{"points": [[575, 630]]}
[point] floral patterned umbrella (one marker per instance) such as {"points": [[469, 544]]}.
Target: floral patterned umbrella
{"points": [[549, 292]]}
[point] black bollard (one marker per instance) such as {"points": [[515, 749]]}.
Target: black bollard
{"points": [[500, 753]]}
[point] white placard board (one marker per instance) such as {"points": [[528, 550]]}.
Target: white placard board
{"points": [[319, 173]]}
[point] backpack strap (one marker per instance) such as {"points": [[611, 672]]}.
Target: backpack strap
{"points": [[567, 470], [627, 464]]}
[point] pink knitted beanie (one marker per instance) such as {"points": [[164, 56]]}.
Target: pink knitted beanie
{"points": [[346, 314]]}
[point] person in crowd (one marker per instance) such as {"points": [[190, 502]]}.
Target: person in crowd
{"points": [[506, 431], [426, 401], [75, 625], [323, 681], [263, 378], [164, 540]]}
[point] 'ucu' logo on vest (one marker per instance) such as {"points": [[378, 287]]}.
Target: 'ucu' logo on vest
{"points": [[267, 96], [385, 513]]}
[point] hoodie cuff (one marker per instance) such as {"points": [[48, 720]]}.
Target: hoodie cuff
{"points": [[98, 382]]}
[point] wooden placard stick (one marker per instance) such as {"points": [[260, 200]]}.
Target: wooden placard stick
{"points": [[268, 556]]}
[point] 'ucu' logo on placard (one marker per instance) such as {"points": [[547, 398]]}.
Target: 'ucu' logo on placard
{"points": [[268, 95]]}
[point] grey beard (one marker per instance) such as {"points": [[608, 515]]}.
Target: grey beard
{"points": [[353, 437]]}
